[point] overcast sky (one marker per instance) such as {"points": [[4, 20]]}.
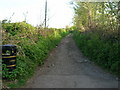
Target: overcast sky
{"points": [[60, 12]]}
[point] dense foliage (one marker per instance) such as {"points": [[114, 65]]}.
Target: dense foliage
{"points": [[32, 48], [14, 28], [104, 15], [98, 33], [102, 52]]}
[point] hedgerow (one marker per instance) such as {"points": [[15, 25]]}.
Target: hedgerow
{"points": [[32, 49], [103, 52], [18, 27]]}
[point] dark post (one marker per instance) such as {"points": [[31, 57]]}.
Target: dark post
{"points": [[46, 14]]}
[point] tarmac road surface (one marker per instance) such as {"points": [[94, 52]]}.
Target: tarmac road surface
{"points": [[66, 67]]}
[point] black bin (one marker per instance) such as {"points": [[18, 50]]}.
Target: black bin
{"points": [[9, 56]]}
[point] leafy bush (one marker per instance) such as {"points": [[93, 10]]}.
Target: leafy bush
{"points": [[14, 28], [32, 52], [101, 51]]}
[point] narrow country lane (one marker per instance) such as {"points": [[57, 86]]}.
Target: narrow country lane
{"points": [[66, 67]]}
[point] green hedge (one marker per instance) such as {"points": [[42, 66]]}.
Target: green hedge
{"points": [[103, 52], [30, 55], [18, 27]]}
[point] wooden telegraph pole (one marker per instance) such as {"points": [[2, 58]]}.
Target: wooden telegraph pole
{"points": [[45, 13]]}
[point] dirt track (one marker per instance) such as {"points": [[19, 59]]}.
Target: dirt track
{"points": [[66, 67]]}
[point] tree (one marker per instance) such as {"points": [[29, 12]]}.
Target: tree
{"points": [[104, 15]]}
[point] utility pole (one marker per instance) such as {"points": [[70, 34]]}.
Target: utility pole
{"points": [[45, 13]]}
